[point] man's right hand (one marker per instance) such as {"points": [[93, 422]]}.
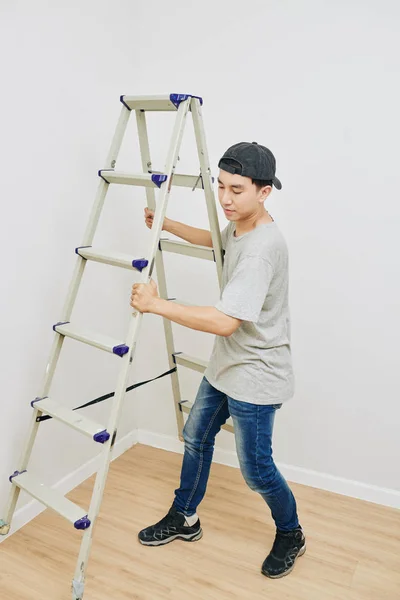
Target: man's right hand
{"points": [[149, 218]]}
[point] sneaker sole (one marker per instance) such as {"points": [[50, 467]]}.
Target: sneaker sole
{"points": [[301, 552], [185, 538]]}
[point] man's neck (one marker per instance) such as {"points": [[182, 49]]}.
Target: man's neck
{"points": [[243, 227]]}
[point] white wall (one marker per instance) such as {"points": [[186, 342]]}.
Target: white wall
{"points": [[317, 82]]}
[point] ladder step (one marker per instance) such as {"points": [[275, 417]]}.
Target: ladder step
{"points": [[204, 252], [186, 407], [197, 364], [154, 180], [92, 338], [52, 499], [115, 259], [169, 102], [144, 179], [72, 418]]}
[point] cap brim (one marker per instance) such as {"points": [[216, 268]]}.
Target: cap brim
{"points": [[277, 183]]}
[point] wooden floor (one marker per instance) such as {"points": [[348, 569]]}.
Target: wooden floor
{"points": [[353, 547]]}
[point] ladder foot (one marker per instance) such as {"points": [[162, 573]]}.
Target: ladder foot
{"points": [[4, 527], [77, 590]]}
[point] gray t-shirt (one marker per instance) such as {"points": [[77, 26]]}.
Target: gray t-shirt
{"points": [[254, 364]]}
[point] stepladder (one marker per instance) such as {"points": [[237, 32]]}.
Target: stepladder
{"points": [[158, 186]]}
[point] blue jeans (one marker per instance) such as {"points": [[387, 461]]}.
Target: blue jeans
{"points": [[253, 425]]}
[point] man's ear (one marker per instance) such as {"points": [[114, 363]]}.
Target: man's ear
{"points": [[265, 192]]}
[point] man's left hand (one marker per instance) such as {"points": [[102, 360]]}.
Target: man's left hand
{"points": [[143, 296]]}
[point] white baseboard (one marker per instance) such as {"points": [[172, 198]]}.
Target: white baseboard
{"points": [[323, 481], [29, 511]]}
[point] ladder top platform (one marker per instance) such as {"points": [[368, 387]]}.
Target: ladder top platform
{"points": [[169, 102]]}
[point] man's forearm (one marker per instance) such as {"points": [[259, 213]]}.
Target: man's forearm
{"points": [[201, 318], [193, 235]]}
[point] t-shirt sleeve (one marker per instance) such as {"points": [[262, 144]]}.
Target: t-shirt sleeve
{"points": [[244, 295]]}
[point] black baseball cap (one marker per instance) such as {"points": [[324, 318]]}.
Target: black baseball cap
{"points": [[250, 160]]}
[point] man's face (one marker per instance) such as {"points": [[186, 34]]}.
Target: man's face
{"points": [[239, 197]]}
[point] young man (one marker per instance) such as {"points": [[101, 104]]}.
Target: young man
{"points": [[250, 373]]}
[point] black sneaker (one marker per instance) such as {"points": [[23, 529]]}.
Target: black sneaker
{"points": [[172, 527], [288, 546]]}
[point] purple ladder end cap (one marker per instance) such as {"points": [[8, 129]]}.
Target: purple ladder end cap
{"points": [[140, 263], [83, 523], [80, 248], [123, 102], [158, 179], [101, 436], [176, 99], [121, 349], [37, 400], [60, 323], [15, 474], [100, 173]]}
